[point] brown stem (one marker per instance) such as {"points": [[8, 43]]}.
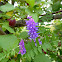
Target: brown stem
{"points": [[52, 13], [57, 16], [20, 23], [12, 2], [60, 57], [6, 1]]}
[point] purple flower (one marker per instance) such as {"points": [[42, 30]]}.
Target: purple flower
{"points": [[40, 42], [29, 17], [22, 47], [32, 27]]}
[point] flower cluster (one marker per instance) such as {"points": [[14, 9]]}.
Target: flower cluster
{"points": [[32, 27], [22, 47]]}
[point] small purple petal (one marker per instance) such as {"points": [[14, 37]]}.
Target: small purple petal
{"points": [[40, 42], [29, 17], [35, 44]]}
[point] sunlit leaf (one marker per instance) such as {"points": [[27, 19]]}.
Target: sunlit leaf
{"points": [[8, 42], [7, 7]]}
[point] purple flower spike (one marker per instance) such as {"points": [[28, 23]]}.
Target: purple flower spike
{"points": [[32, 27], [22, 47], [29, 17]]}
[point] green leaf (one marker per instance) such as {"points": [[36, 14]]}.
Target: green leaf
{"points": [[23, 35], [30, 2], [8, 42], [1, 49], [54, 1], [41, 58], [56, 6], [28, 56], [37, 42], [4, 15], [32, 54], [47, 17], [33, 44], [4, 60], [28, 46], [40, 49], [7, 7], [12, 60], [1, 15], [37, 2], [13, 52], [36, 51], [8, 28], [55, 42], [2, 56], [35, 16], [46, 46]]}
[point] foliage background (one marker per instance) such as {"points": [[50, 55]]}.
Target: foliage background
{"points": [[48, 14]]}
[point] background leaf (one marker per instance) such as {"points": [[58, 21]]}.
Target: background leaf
{"points": [[34, 16], [41, 58], [7, 7], [8, 42], [8, 28], [23, 34]]}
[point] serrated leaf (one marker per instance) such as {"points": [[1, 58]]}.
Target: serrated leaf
{"points": [[8, 42], [7, 7], [41, 58]]}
